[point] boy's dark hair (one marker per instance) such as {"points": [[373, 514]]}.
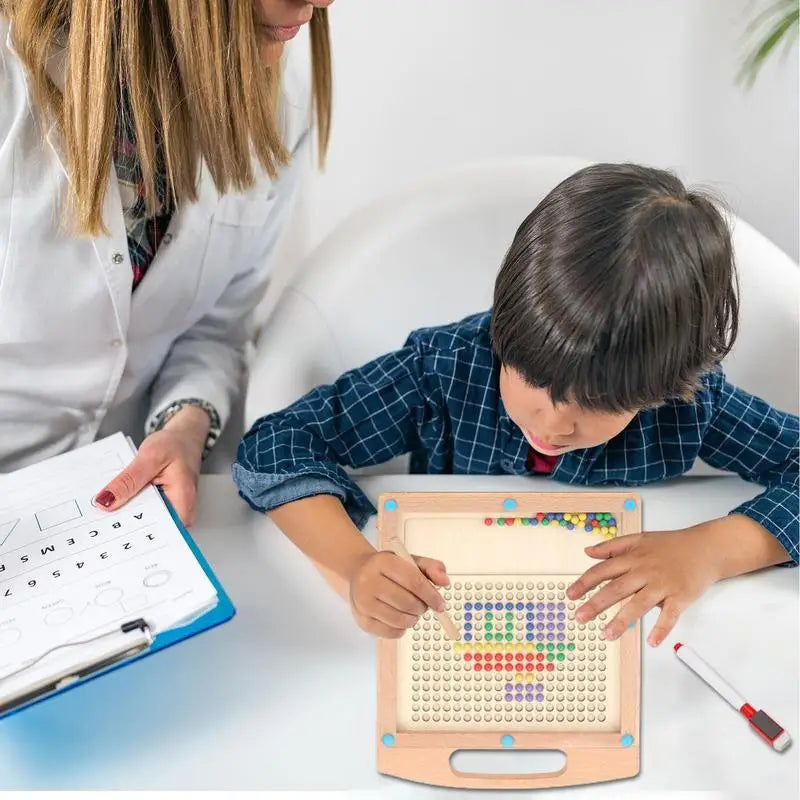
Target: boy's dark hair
{"points": [[618, 291]]}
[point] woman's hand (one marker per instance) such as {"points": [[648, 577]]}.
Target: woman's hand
{"points": [[169, 458]]}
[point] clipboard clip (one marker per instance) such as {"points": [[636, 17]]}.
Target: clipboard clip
{"points": [[128, 641]]}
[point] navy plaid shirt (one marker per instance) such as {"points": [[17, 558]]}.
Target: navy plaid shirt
{"points": [[438, 399]]}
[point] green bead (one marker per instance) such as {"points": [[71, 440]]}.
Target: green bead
{"points": [[550, 657], [488, 637], [550, 647], [525, 521], [545, 521], [509, 626], [562, 523], [501, 521], [509, 637], [539, 647], [560, 656], [571, 646], [509, 615], [560, 646], [488, 615], [488, 626]]}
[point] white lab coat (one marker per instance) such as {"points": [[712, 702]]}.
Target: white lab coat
{"points": [[80, 354]]}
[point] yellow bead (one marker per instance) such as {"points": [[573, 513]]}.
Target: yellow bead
{"points": [[604, 530], [520, 676], [612, 529], [568, 517], [529, 647], [581, 517], [608, 535]]}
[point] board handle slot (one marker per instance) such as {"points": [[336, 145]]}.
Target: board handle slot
{"points": [[433, 765]]}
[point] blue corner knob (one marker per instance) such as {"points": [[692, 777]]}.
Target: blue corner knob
{"points": [[509, 504], [388, 739], [629, 505], [507, 741], [390, 505], [626, 740]]}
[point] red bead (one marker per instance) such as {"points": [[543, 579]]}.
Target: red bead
{"points": [[509, 657], [595, 523], [529, 667], [498, 667], [509, 667], [540, 516], [550, 667], [529, 656], [539, 667], [509, 521], [519, 656], [478, 666], [498, 656], [467, 656], [478, 656], [540, 656], [487, 521]]}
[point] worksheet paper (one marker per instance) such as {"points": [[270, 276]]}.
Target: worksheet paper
{"points": [[70, 571]]}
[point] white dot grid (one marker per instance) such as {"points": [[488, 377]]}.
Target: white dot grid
{"points": [[446, 692]]}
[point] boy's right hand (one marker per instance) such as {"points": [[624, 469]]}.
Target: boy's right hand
{"points": [[388, 595]]}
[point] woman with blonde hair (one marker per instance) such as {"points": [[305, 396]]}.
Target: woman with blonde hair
{"points": [[148, 155]]}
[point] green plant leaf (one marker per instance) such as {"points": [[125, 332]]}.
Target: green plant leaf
{"points": [[786, 18]]}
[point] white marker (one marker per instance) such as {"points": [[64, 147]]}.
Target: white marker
{"points": [[760, 722]]}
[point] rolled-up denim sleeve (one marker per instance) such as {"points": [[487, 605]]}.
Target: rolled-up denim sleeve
{"points": [[367, 417]]}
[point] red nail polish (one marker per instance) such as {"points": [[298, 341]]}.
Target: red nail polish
{"points": [[105, 498]]}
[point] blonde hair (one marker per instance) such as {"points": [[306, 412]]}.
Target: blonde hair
{"points": [[193, 79]]}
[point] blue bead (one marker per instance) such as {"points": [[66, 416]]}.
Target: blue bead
{"points": [[612, 521], [478, 606], [509, 504], [529, 606], [534, 521], [387, 739], [468, 615], [390, 505], [520, 606], [626, 740], [467, 606], [507, 741], [530, 615], [590, 516], [468, 637], [509, 606], [488, 606], [528, 626], [529, 637], [467, 626], [559, 516], [629, 505], [570, 526], [587, 528]]}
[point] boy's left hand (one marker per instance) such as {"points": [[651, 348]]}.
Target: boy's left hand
{"points": [[666, 569]]}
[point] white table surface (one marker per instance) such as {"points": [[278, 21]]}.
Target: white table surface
{"points": [[283, 696]]}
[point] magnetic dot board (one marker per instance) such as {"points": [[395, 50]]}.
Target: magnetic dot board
{"points": [[525, 673]]}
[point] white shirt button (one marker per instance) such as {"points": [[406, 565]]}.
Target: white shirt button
{"points": [[117, 342], [167, 238], [117, 258]]}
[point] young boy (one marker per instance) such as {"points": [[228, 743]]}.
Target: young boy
{"points": [[598, 365]]}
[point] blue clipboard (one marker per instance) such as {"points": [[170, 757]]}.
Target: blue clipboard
{"points": [[222, 612]]}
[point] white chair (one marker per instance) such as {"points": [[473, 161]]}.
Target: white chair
{"points": [[428, 254]]}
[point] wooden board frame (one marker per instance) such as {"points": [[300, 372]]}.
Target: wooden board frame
{"points": [[424, 756]]}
